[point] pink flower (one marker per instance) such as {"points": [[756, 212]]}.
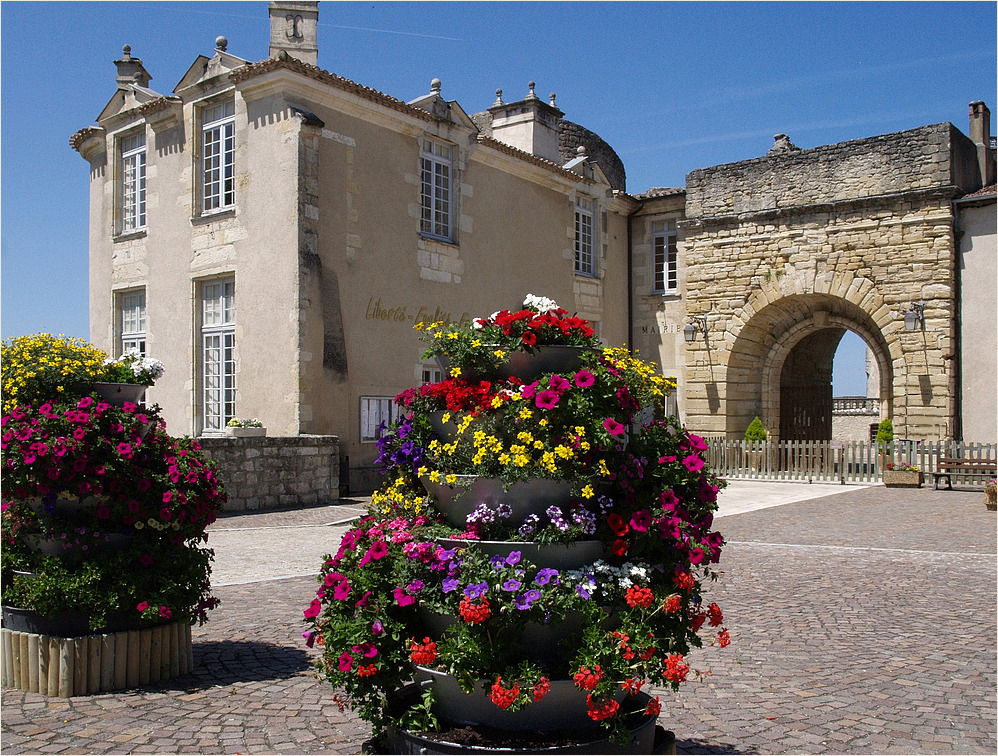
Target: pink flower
{"points": [[143, 605], [146, 560], [529, 390], [584, 379], [547, 399], [345, 663], [641, 520], [84, 402], [125, 449], [130, 407], [613, 427], [313, 609], [167, 495], [165, 514], [693, 463], [558, 383], [377, 551], [164, 612], [402, 598], [341, 591]]}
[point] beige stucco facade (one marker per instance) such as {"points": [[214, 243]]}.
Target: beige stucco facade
{"points": [[323, 245]]}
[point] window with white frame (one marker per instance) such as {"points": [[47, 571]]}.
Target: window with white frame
{"points": [[664, 238], [132, 306], [585, 210], [437, 169], [375, 410], [133, 182], [218, 350], [218, 156], [432, 374]]}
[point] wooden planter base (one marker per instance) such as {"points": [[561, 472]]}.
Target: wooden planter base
{"points": [[65, 667]]}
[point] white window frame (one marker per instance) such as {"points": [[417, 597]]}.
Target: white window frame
{"points": [[133, 182], [430, 374], [375, 410], [436, 166], [132, 314], [665, 254], [585, 235], [218, 157], [217, 357]]}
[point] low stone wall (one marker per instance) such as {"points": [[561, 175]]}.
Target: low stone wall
{"points": [[280, 471], [853, 427]]}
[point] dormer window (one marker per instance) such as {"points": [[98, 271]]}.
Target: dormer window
{"points": [[437, 169], [133, 182], [218, 157]]}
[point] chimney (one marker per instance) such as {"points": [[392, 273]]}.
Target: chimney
{"points": [[131, 70], [980, 135], [531, 124], [293, 28]]}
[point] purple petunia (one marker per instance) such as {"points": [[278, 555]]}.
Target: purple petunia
{"points": [[545, 575], [476, 589], [450, 584], [511, 586]]}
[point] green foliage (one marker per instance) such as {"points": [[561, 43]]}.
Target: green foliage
{"points": [[420, 718], [756, 431], [885, 431]]}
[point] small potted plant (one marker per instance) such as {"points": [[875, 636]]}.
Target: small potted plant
{"points": [[903, 475], [990, 492], [126, 378], [247, 427]]}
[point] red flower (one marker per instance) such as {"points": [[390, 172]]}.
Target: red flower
{"points": [[474, 614], [697, 618], [529, 338], [599, 711], [619, 547], [684, 581], [423, 653], [675, 668], [632, 685], [639, 597], [673, 603], [714, 615], [654, 707], [541, 688], [723, 638], [367, 671], [502, 697], [617, 525], [588, 679]]}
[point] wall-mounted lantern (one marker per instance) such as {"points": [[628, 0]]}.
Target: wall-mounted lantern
{"points": [[914, 319], [697, 323]]}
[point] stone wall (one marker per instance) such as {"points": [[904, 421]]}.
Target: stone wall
{"points": [[853, 427], [265, 473]]}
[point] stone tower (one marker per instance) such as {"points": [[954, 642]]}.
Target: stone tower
{"points": [[293, 29]]}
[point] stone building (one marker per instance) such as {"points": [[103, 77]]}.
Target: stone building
{"points": [[272, 232]]}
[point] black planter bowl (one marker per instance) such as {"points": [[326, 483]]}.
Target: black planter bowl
{"points": [[68, 624], [646, 736]]}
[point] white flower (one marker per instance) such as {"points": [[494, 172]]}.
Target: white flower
{"points": [[540, 304]]}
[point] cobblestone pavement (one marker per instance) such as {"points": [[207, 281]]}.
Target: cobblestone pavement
{"points": [[863, 622]]}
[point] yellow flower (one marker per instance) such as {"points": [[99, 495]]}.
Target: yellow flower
{"points": [[445, 418], [455, 372], [452, 335], [603, 469], [421, 472], [476, 342], [419, 325], [525, 437], [435, 476], [504, 459], [543, 422], [451, 479], [499, 353], [496, 401], [525, 413], [538, 444]]}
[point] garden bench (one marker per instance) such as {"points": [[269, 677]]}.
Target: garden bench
{"points": [[947, 466]]}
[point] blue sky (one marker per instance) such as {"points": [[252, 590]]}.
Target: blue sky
{"points": [[671, 86]]}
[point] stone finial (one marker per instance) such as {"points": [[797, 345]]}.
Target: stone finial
{"points": [[498, 98], [580, 150], [130, 70], [551, 102], [221, 43], [782, 144], [126, 52], [435, 86], [531, 95]]}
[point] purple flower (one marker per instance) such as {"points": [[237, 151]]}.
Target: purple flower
{"points": [[582, 592], [309, 636], [450, 584], [415, 586], [513, 558], [511, 586], [377, 628], [545, 575], [476, 589], [497, 563], [526, 600]]}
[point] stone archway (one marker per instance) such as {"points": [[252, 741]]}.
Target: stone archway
{"points": [[784, 353]]}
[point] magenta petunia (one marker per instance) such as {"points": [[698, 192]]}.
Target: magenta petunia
{"points": [[613, 427], [345, 662], [143, 605], [558, 383], [584, 379], [547, 399], [402, 598], [341, 591], [313, 609], [529, 390], [693, 463], [641, 520]]}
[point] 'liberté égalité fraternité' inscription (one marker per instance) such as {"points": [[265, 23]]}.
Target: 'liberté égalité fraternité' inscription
{"points": [[405, 314]]}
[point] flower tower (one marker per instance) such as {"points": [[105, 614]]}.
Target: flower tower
{"points": [[104, 560], [537, 555]]}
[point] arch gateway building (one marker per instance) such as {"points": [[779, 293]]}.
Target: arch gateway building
{"points": [[272, 232]]}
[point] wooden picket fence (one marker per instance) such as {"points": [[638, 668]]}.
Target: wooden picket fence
{"points": [[837, 461]]}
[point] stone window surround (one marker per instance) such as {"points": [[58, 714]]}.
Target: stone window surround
{"points": [[225, 330], [199, 212], [134, 338], [665, 229], [592, 212], [132, 161]]}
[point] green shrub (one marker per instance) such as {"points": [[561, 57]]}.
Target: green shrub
{"points": [[756, 431], [885, 431]]}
